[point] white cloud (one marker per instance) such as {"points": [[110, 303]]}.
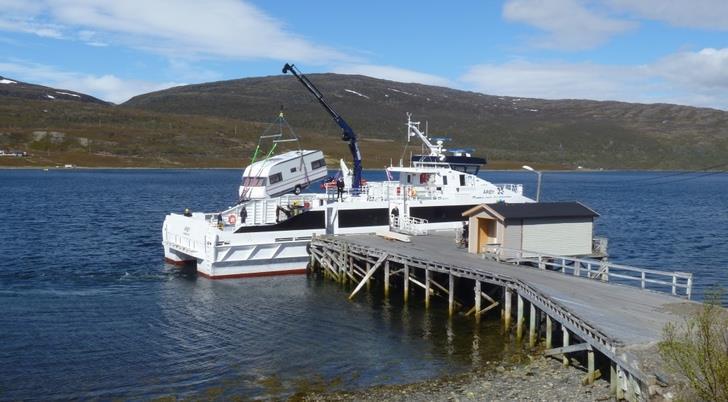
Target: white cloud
{"points": [[706, 14], [393, 73], [691, 78], [553, 80], [216, 28], [568, 24], [706, 69], [107, 87]]}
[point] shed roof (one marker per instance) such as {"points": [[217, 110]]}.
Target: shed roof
{"points": [[504, 210]]}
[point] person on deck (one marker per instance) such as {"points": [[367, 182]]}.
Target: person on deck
{"points": [[340, 189], [466, 233]]}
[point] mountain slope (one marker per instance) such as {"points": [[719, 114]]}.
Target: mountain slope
{"points": [[554, 132], [10, 88]]}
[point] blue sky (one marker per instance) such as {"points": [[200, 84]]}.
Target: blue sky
{"points": [[673, 51]]}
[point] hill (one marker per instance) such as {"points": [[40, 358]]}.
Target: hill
{"points": [[565, 133], [10, 88], [217, 125]]}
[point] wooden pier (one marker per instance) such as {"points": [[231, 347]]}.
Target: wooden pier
{"points": [[616, 324]]}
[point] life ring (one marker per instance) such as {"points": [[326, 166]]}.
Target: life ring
{"points": [[231, 219], [306, 205]]}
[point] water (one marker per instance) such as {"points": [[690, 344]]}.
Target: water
{"points": [[91, 311]]}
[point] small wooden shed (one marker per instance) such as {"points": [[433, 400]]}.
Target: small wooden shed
{"points": [[558, 228]]}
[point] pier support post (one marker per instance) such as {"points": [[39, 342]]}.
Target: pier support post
{"points": [[519, 319], [451, 295], [477, 300], [565, 333], [369, 282], [406, 282], [590, 366], [350, 269], [427, 288], [507, 304], [532, 326], [386, 279], [549, 330], [613, 379]]}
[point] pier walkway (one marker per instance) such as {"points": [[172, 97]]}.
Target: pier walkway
{"points": [[623, 323]]}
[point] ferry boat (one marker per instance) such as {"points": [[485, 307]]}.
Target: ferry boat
{"points": [[269, 235]]}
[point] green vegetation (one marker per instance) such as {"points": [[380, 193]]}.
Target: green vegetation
{"points": [[698, 351], [217, 125]]}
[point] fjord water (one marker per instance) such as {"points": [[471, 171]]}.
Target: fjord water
{"points": [[91, 311]]}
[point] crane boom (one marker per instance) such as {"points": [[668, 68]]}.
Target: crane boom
{"points": [[347, 134]]}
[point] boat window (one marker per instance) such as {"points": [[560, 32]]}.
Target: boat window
{"points": [[318, 164], [462, 179], [293, 170], [444, 180], [253, 181], [275, 178], [409, 178]]}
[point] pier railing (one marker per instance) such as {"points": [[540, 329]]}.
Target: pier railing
{"points": [[677, 283]]}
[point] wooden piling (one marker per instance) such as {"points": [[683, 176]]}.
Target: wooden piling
{"points": [[386, 279], [549, 330], [565, 342], [369, 282], [451, 295], [507, 311], [519, 319], [532, 326], [590, 366], [406, 282], [477, 300], [427, 288]]}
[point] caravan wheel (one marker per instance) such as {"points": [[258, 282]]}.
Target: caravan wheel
{"points": [[297, 190]]}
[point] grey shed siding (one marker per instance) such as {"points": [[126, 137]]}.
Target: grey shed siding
{"points": [[512, 235], [559, 236]]}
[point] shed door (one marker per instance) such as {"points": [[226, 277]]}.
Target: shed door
{"points": [[558, 236], [486, 233]]}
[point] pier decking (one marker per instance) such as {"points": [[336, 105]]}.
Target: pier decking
{"points": [[623, 323]]}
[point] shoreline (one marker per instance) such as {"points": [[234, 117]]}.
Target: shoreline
{"points": [[539, 379], [626, 170]]}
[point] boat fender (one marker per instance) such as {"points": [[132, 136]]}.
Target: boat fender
{"points": [[412, 192], [231, 219], [306, 205], [399, 190]]}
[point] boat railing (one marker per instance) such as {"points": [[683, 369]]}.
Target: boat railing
{"points": [[676, 283], [408, 225]]}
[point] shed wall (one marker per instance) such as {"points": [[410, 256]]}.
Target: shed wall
{"points": [[559, 236]]}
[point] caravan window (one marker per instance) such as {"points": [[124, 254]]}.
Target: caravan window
{"points": [[253, 181], [293, 170], [275, 178], [318, 164]]}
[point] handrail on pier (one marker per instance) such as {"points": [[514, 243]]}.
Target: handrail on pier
{"points": [[595, 269]]}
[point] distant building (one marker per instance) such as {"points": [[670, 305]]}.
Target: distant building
{"points": [[13, 153]]}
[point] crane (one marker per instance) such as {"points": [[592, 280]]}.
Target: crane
{"points": [[347, 133]]}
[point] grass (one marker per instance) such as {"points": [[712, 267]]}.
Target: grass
{"points": [[697, 351]]}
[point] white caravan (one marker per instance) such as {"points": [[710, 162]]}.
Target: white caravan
{"points": [[289, 172]]}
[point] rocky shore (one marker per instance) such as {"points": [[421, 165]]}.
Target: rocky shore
{"points": [[541, 379]]}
